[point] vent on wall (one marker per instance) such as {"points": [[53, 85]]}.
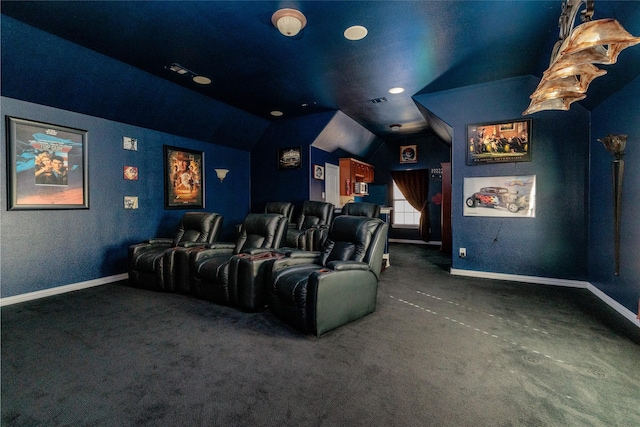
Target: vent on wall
{"points": [[378, 100]]}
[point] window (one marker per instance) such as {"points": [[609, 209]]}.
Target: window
{"points": [[404, 215]]}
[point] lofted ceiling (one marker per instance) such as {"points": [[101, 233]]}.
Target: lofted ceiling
{"points": [[422, 46]]}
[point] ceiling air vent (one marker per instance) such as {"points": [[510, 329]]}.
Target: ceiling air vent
{"points": [[378, 100]]}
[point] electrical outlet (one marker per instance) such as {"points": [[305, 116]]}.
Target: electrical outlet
{"points": [[463, 253]]}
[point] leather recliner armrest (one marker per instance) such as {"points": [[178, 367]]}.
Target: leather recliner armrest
{"points": [[220, 245], [347, 265], [200, 254], [160, 241], [192, 245]]}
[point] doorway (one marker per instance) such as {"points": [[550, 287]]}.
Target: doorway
{"points": [[332, 184]]}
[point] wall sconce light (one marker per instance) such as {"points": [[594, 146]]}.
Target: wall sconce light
{"points": [[571, 66], [222, 174], [289, 21]]}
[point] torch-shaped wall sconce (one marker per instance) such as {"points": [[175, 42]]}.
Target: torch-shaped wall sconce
{"points": [[615, 145], [222, 174]]}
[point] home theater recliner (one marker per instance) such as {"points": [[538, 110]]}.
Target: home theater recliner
{"points": [[209, 266], [320, 291], [152, 264]]}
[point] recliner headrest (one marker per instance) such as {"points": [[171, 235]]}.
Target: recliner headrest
{"points": [[349, 238], [200, 227], [261, 231]]}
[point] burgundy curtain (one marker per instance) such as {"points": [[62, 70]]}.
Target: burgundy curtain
{"points": [[414, 186]]}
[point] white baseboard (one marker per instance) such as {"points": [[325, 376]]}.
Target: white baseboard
{"points": [[628, 314], [61, 289]]}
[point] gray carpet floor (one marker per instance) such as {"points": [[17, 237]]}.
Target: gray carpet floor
{"points": [[440, 350]]}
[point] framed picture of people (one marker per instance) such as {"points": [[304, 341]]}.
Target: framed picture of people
{"points": [[47, 166], [183, 178], [499, 142]]}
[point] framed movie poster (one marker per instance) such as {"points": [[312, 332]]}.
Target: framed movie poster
{"points": [[47, 166], [290, 158], [501, 142], [183, 178]]}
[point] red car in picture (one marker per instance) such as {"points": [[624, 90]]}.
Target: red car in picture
{"points": [[498, 197]]}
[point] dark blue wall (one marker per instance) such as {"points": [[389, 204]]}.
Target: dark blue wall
{"points": [[619, 114], [268, 183], [554, 243], [432, 151], [46, 249]]}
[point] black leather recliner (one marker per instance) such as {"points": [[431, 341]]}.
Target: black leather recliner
{"points": [[370, 210], [312, 225], [209, 267], [320, 291], [283, 208], [152, 263]]}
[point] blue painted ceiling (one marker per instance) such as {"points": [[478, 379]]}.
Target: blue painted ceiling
{"points": [[423, 46]]}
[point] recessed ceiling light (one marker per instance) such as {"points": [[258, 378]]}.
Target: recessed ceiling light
{"points": [[276, 113], [396, 90], [202, 80], [357, 32]]}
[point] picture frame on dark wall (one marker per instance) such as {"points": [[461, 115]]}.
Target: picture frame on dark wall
{"points": [[500, 196], [408, 153], [183, 178], [290, 158], [318, 172], [47, 166], [499, 142]]}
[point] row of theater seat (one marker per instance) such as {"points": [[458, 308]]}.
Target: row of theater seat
{"points": [[317, 274]]}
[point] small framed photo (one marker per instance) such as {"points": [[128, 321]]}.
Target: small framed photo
{"points": [[183, 178], [499, 142], [47, 166], [290, 158], [131, 202], [408, 153], [318, 172], [131, 173], [129, 143]]}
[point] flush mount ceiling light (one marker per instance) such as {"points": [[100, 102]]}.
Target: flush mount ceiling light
{"points": [[356, 32], [571, 66], [289, 21], [396, 90], [395, 127], [202, 80]]}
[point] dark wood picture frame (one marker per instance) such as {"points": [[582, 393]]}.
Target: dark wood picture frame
{"points": [[290, 158], [409, 153], [183, 178], [499, 142], [47, 166]]}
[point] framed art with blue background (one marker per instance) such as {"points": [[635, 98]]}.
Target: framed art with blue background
{"points": [[47, 166]]}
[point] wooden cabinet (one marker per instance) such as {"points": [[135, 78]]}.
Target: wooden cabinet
{"points": [[353, 170]]}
